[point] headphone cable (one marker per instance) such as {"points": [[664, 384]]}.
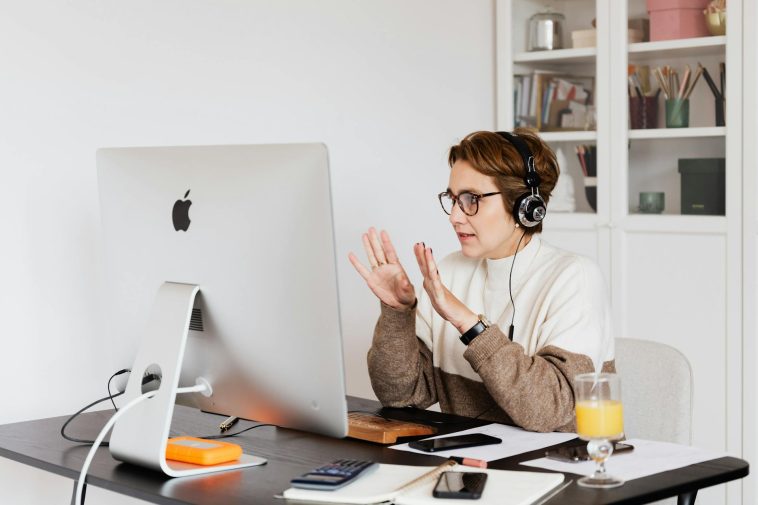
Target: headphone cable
{"points": [[510, 291]]}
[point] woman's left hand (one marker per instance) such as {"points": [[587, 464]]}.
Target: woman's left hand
{"points": [[444, 302]]}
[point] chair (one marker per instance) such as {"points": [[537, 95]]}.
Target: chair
{"points": [[656, 385]]}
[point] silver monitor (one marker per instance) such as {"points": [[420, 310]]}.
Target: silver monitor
{"points": [[251, 225]]}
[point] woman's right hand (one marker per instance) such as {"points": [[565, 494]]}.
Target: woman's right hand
{"points": [[386, 278]]}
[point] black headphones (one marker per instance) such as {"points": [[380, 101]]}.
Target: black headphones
{"points": [[530, 208]]}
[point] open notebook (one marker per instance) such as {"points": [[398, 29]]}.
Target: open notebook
{"points": [[412, 485]]}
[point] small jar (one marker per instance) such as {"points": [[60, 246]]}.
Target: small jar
{"points": [[546, 31]]}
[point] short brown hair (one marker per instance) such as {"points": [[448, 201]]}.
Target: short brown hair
{"points": [[491, 154]]}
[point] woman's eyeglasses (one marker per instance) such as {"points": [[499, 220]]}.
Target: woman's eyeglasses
{"points": [[467, 201]]}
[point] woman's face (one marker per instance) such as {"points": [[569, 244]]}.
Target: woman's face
{"points": [[491, 232]]}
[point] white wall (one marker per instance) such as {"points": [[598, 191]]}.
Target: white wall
{"points": [[388, 85]]}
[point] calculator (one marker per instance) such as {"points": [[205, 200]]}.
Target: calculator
{"points": [[333, 475]]}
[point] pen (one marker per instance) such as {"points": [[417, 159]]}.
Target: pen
{"points": [[228, 423], [479, 463]]}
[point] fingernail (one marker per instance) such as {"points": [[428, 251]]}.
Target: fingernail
{"points": [[423, 244]]}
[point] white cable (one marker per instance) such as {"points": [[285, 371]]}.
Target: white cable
{"points": [[199, 388]]}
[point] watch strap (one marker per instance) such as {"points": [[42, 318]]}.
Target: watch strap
{"points": [[475, 330]]}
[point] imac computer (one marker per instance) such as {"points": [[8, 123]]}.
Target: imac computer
{"points": [[220, 270]]}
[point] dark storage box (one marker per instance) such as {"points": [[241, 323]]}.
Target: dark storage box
{"points": [[703, 185]]}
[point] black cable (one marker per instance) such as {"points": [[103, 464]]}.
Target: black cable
{"points": [[510, 291], [78, 440], [110, 395], [226, 435], [145, 380]]}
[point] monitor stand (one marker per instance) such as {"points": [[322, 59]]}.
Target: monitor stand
{"points": [[140, 436]]}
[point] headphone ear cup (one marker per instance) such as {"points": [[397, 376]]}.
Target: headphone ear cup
{"points": [[529, 210]]}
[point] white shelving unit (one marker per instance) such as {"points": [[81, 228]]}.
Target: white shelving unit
{"points": [[678, 133], [583, 55], [673, 278]]}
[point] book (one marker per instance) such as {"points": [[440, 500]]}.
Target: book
{"points": [[412, 485]]}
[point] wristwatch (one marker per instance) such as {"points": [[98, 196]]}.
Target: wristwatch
{"points": [[475, 330]]}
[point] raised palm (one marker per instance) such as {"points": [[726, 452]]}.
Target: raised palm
{"points": [[386, 277]]}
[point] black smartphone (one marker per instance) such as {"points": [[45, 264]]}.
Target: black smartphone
{"points": [[461, 485], [454, 442], [579, 453]]}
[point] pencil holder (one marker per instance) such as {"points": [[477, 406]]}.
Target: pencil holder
{"points": [[643, 112], [590, 191], [677, 113], [720, 120]]}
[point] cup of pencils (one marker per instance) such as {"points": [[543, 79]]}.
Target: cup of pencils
{"points": [[643, 112], [643, 103], [677, 93], [587, 156]]}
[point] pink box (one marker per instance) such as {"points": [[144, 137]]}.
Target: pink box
{"points": [[677, 19]]}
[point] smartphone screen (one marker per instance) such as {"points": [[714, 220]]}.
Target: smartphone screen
{"points": [[454, 442], [466, 485], [579, 452]]}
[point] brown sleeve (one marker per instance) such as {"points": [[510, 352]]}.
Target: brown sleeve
{"points": [[399, 364], [537, 392]]}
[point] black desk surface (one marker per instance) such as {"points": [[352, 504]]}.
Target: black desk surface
{"points": [[291, 453]]}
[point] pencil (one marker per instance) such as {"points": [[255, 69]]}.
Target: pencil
{"points": [[683, 86], [428, 475], [661, 84], [688, 92]]}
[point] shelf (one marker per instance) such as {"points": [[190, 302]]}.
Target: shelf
{"points": [[638, 223], [571, 136], [673, 223], [574, 221], [677, 133], [580, 55], [680, 48]]}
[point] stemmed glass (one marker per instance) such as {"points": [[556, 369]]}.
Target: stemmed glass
{"points": [[600, 421]]}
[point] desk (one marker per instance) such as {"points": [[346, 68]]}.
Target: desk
{"points": [[290, 453]]}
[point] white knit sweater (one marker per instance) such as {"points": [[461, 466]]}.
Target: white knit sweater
{"points": [[560, 299]]}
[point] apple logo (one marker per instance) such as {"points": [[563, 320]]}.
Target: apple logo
{"points": [[180, 214]]}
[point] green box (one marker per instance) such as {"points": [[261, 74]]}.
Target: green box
{"points": [[703, 186]]}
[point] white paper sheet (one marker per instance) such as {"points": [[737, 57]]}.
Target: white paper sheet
{"points": [[648, 458], [515, 441]]}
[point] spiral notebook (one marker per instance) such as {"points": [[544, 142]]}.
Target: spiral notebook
{"points": [[412, 485]]}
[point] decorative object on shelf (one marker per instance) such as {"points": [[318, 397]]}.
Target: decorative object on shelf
{"points": [[703, 185], [562, 198], [642, 25], [590, 191], [715, 17], [587, 155], [652, 202], [678, 92], [676, 19], [677, 113], [643, 112], [588, 38], [718, 94], [546, 31], [643, 102]]}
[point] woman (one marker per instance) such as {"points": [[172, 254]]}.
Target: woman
{"points": [[439, 345]]}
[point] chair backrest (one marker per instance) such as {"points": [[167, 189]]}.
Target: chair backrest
{"points": [[656, 385]]}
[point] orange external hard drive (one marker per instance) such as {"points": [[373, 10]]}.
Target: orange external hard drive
{"points": [[201, 452]]}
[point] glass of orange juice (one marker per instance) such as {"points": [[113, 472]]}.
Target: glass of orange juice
{"points": [[600, 421]]}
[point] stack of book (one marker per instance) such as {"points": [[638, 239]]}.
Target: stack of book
{"points": [[550, 101]]}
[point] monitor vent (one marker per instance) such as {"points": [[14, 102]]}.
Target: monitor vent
{"points": [[196, 321]]}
